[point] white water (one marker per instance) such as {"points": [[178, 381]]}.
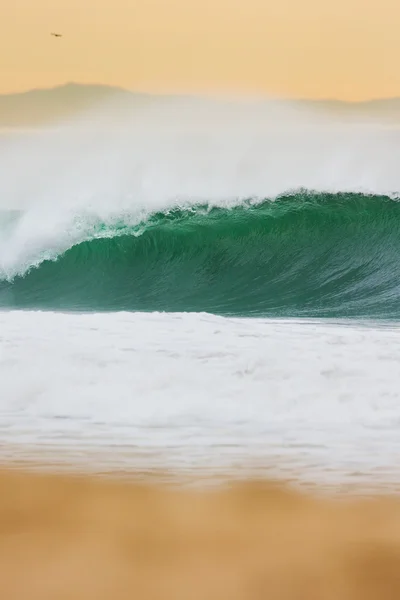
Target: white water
{"points": [[321, 401]]}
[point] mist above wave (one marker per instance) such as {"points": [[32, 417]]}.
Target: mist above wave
{"points": [[191, 150]]}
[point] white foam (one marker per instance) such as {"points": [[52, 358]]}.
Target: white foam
{"points": [[187, 390]]}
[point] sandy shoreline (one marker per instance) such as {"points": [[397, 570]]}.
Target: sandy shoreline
{"points": [[84, 536]]}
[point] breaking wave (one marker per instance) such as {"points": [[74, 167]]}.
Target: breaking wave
{"points": [[302, 254]]}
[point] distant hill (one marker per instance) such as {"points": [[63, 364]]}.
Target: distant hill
{"points": [[44, 106], [386, 109], [41, 107]]}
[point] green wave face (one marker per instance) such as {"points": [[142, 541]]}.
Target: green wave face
{"points": [[314, 255]]}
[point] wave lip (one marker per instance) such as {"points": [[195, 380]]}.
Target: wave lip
{"points": [[304, 254]]}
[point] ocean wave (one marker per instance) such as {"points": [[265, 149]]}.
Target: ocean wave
{"points": [[304, 254]]}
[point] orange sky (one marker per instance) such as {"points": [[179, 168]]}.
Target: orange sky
{"points": [[310, 48]]}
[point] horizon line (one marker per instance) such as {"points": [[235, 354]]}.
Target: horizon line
{"points": [[205, 94]]}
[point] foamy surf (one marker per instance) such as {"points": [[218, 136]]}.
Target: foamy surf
{"points": [[189, 392]]}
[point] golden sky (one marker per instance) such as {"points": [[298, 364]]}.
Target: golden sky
{"points": [[306, 48]]}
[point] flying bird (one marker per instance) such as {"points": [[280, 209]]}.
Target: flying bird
{"points": [[56, 34]]}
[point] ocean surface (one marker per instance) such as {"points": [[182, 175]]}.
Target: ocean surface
{"points": [[203, 293]]}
